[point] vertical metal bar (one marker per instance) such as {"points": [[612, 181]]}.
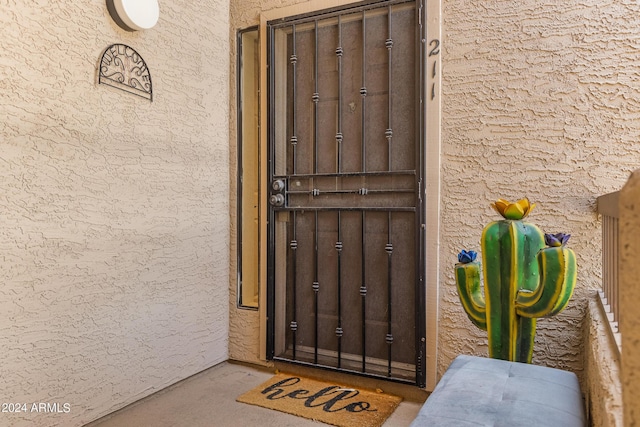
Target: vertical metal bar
{"points": [[270, 214], [604, 255], [389, 249], [316, 288], [389, 246], [363, 93], [315, 98], [614, 267], [389, 46], [420, 215], [610, 261], [339, 52], [609, 293], [363, 293], [606, 247], [294, 321], [294, 142], [294, 118], [363, 168], [339, 330]]}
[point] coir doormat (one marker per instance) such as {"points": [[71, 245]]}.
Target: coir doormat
{"points": [[321, 401]]}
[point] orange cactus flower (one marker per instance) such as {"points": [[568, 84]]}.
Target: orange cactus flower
{"points": [[514, 211]]}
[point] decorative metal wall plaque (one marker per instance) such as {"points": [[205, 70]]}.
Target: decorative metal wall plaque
{"points": [[123, 68]]}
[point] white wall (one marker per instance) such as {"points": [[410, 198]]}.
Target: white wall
{"points": [[114, 244]]}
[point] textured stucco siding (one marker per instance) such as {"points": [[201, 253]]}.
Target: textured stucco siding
{"points": [[114, 243], [602, 388], [538, 100]]}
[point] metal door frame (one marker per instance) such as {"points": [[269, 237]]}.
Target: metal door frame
{"points": [[420, 214]]}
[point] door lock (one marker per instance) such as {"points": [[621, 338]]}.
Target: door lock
{"points": [[277, 198]]}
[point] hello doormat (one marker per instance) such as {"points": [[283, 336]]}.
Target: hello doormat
{"points": [[321, 401]]}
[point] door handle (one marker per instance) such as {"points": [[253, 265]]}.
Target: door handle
{"points": [[277, 198]]}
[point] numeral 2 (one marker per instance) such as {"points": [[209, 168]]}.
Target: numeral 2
{"points": [[435, 50]]}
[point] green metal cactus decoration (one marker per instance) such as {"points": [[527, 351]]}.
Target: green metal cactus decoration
{"points": [[527, 275]]}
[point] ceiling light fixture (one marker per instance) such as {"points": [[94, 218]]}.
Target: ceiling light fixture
{"points": [[134, 15]]}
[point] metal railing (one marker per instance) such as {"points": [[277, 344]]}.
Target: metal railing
{"points": [[608, 208]]}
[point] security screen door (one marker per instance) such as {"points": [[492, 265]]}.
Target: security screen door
{"points": [[346, 287]]}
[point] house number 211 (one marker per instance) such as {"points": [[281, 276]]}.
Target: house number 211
{"points": [[434, 50]]}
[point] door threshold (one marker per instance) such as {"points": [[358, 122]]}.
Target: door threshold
{"points": [[409, 392]]}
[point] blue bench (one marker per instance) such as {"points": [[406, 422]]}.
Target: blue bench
{"points": [[477, 391]]}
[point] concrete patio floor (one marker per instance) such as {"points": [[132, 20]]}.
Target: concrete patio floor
{"points": [[208, 399]]}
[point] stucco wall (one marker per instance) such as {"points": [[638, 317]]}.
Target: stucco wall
{"points": [[538, 100], [115, 212], [602, 388]]}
